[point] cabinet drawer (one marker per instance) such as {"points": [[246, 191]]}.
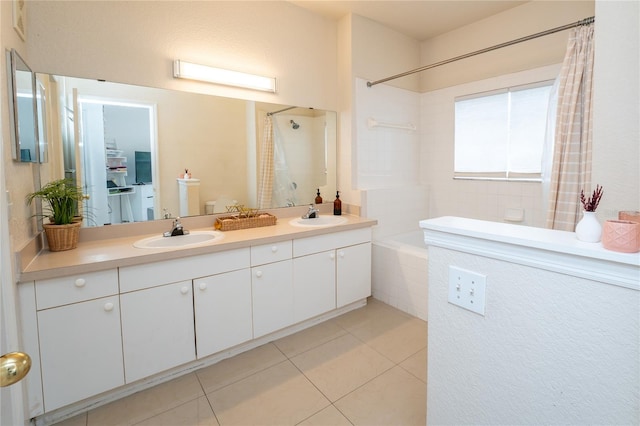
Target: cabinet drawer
{"points": [[149, 275], [76, 288], [310, 245], [268, 253]]}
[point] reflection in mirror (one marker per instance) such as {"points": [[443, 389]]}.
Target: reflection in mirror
{"points": [[128, 147], [22, 109]]}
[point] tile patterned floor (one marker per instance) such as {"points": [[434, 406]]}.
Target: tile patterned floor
{"points": [[366, 367]]}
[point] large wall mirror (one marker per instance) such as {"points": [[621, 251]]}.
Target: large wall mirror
{"points": [[22, 110], [128, 147]]}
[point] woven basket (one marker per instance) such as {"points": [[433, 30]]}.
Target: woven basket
{"points": [[233, 223], [62, 237]]}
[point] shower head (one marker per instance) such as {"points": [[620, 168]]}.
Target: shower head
{"points": [[294, 125]]}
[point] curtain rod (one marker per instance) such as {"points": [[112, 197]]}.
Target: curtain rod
{"points": [[282, 110], [585, 21]]}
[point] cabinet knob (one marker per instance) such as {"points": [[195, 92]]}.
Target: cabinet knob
{"points": [[203, 286], [184, 290], [258, 274], [274, 249], [108, 307], [80, 282], [341, 253], [332, 255]]}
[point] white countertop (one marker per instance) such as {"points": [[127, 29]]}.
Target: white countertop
{"points": [[103, 254], [549, 249]]}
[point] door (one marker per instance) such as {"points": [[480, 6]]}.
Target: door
{"points": [[13, 409]]}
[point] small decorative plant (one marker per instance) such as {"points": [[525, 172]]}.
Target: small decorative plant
{"points": [[62, 197], [591, 204]]}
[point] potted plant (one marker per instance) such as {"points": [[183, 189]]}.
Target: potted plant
{"points": [[62, 198]]}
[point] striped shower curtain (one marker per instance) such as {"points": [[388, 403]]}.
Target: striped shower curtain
{"points": [[265, 188], [571, 170]]}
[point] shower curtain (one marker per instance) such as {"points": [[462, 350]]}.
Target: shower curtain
{"points": [[571, 170], [265, 187], [276, 188], [284, 188]]}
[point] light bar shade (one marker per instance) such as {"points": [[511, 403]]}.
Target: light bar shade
{"points": [[188, 70]]}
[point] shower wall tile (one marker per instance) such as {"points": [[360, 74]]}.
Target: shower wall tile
{"points": [[386, 157]]}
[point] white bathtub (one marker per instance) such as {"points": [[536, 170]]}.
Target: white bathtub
{"points": [[400, 272]]}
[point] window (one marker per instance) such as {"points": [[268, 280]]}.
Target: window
{"points": [[500, 134]]}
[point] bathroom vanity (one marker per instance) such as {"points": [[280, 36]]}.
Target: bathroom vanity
{"points": [[108, 319]]}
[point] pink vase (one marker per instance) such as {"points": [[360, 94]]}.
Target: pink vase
{"points": [[621, 235]]}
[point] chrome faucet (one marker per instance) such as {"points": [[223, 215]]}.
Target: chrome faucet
{"points": [[176, 229], [312, 213]]}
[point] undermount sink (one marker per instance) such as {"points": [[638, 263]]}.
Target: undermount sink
{"points": [[318, 221], [194, 238]]}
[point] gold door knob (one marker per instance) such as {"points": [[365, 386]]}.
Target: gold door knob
{"points": [[13, 367]]}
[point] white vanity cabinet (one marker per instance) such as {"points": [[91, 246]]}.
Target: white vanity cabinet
{"points": [[157, 329], [353, 273], [331, 271], [222, 305], [157, 305], [272, 287], [135, 324], [314, 284], [79, 334]]}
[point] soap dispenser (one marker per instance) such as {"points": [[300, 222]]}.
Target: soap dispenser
{"points": [[318, 197], [337, 205]]}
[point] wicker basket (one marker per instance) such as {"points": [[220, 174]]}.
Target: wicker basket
{"points": [[62, 237], [233, 223]]}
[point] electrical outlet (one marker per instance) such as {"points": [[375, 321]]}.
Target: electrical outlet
{"points": [[467, 289]]}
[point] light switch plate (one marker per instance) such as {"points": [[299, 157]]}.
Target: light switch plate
{"points": [[467, 289]]}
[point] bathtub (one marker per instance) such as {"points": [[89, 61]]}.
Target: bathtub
{"points": [[400, 271]]}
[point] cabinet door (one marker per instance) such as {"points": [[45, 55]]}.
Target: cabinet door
{"points": [[157, 329], [272, 291], [314, 285], [81, 351], [222, 305], [353, 280]]}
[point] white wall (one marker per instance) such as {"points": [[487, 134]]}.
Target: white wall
{"points": [[550, 349], [529, 18], [616, 106], [386, 157]]}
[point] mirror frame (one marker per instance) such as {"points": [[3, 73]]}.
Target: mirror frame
{"points": [[16, 63]]}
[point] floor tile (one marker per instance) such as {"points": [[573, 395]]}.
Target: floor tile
{"points": [[396, 340], [341, 365], [310, 338], [79, 420], [279, 395], [330, 416], [193, 413], [374, 312], [416, 364], [393, 398], [147, 403], [238, 367]]}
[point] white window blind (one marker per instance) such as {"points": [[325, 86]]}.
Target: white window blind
{"points": [[500, 134]]}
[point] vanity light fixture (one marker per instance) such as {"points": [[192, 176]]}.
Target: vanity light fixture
{"points": [[191, 71]]}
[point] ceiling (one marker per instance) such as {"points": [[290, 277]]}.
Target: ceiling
{"points": [[419, 20]]}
